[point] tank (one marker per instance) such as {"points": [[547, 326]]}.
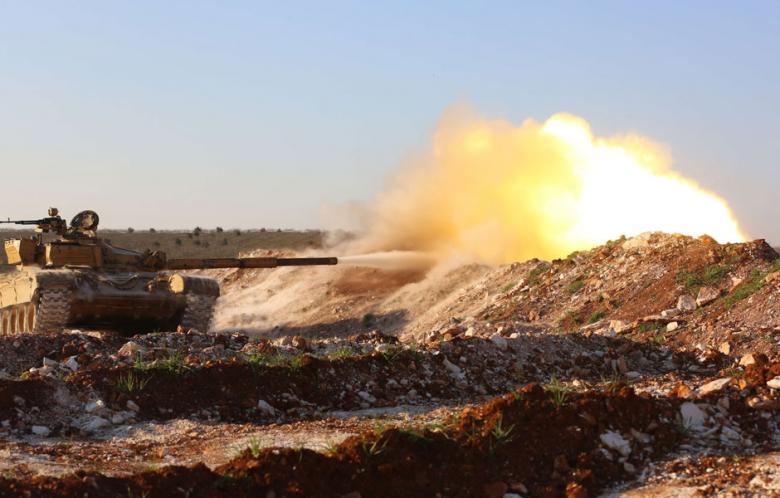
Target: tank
{"points": [[78, 280]]}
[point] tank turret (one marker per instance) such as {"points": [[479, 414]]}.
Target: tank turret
{"points": [[80, 280]]}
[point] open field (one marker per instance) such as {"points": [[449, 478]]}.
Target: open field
{"points": [[646, 366]]}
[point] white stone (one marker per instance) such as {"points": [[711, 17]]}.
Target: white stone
{"points": [[615, 441], [512, 495], [94, 406], [693, 417], [619, 326], [453, 368], [498, 341], [119, 418], [132, 405], [670, 313], [633, 375], [747, 360], [40, 430], [72, 364], [470, 332], [686, 303], [707, 295], [672, 326], [48, 362], [92, 423], [366, 396], [774, 383], [714, 386], [266, 408], [130, 349], [382, 348]]}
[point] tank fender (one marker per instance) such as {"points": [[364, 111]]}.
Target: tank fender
{"points": [[59, 278], [190, 284]]}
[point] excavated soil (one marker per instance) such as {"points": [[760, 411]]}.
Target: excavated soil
{"points": [[647, 366]]}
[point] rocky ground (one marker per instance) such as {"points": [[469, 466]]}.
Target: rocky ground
{"points": [[646, 366]]}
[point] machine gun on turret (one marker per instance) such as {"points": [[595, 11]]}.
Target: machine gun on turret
{"points": [[53, 223]]}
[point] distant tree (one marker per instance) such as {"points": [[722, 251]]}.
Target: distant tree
{"points": [[156, 243], [206, 243], [152, 230], [130, 230], [197, 242], [263, 230], [225, 242], [220, 230], [278, 230], [237, 232], [197, 231], [189, 235], [178, 241]]}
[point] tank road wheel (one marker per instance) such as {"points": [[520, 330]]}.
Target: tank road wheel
{"points": [[198, 312], [52, 311], [5, 321]]}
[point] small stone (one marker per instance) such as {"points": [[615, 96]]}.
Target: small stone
{"points": [[725, 348], [707, 295], [266, 408], [628, 467], [130, 349], [40, 430], [670, 313], [686, 303], [753, 359], [93, 423], [48, 362], [72, 364], [693, 417], [714, 386], [672, 326], [499, 341], [366, 397], [774, 383], [132, 405], [633, 375], [453, 368], [615, 441], [512, 495], [95, 406], [619, 326], [119, 418]]}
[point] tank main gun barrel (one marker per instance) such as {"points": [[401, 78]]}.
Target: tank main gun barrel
{"points": [[203, 264]]}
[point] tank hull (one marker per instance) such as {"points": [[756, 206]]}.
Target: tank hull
{"points": [[40, 300]]}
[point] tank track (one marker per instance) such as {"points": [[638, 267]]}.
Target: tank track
{"points": [[198, 312], [53, 310], [49, 314]]}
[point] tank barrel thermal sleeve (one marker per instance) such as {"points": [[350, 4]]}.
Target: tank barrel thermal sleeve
{"points": [[195, 264]]}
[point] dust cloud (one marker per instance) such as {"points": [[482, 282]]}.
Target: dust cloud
{"points": [[498, 192]]}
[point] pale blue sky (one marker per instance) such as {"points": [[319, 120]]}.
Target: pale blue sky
{"points": [[175, 114]]}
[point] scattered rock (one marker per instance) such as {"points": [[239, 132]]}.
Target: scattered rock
{"points": [[672, 326], [725, 348], [615, 441], [686, 303], [714, 386], [40, 430], [132, 405], [619, 326], [266, 408], [707, 295], [499, 341], [130, 349], [693, 417], [774, 383]]}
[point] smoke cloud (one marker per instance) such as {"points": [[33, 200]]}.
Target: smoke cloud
{"points": [[499, 192]]}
